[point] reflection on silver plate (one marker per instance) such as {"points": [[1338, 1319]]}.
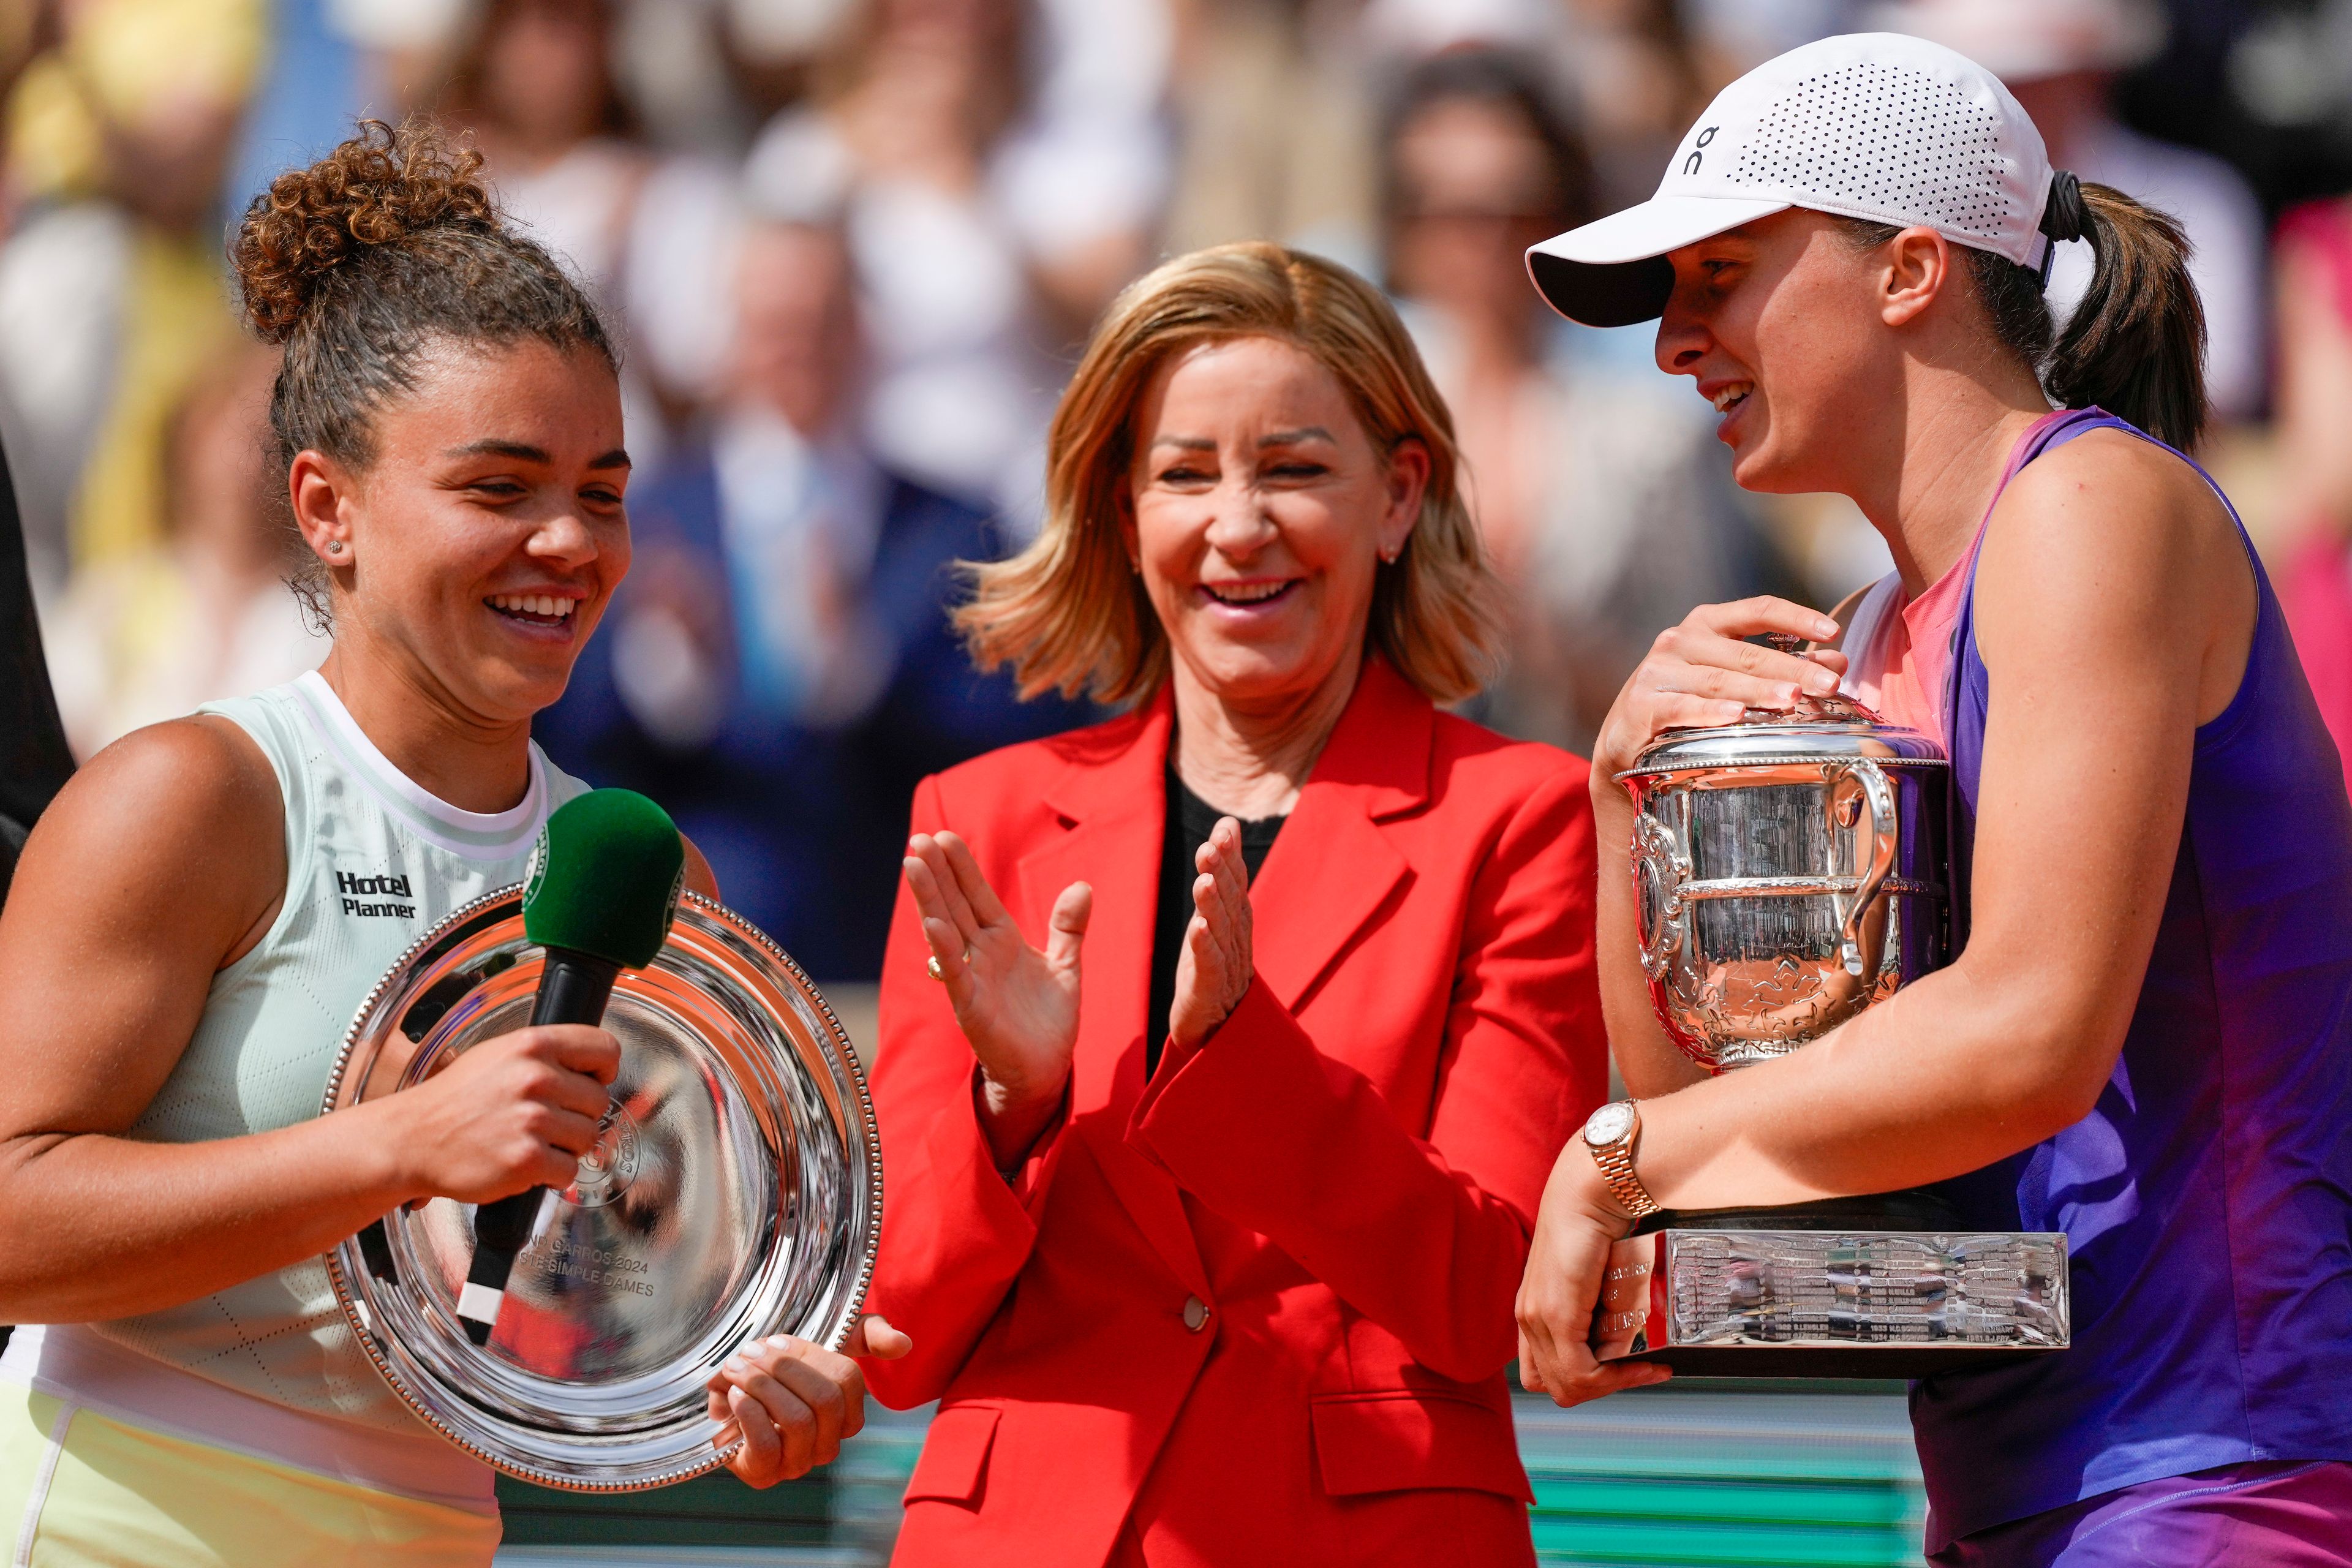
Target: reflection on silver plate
{"points": [[736, 1192]]}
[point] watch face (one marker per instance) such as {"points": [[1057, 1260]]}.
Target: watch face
{"points": [[1610, 1123]]}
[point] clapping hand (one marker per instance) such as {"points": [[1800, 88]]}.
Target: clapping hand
{"points": [[1213, 968], [1016, 1003], [793, 1403]]}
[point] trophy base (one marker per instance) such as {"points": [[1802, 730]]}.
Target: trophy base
{"points": [[1877, 1286]]}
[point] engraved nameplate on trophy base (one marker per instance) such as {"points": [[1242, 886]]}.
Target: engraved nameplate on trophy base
{"points": [[1831, 1303]]}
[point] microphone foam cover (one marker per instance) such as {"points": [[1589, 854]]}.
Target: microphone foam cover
{"points": [[605, 878]]}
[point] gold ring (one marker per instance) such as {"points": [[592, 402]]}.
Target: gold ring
{"points": [[931, 967]]}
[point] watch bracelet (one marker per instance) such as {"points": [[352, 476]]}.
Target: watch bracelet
{"points": [[1616, 1163]]}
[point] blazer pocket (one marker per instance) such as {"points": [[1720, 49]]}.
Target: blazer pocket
{"points": [[954, 1461], [1397, 1440]]}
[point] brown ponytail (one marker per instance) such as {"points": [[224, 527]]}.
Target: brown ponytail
{"points": [[2135, 344]]}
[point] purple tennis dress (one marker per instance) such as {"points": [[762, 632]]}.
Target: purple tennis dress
{"points": [[2204, 1412]]}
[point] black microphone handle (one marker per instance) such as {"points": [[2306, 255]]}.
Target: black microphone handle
{"points": [[573, 989]]}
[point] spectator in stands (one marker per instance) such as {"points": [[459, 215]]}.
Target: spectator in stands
{"points": [[1634, 72], [535, 86], [988, 227], [2314, 389], [1274, 110], [2061, 58], [112, 294], [1599, 487], [204, 613], [780, 670]]}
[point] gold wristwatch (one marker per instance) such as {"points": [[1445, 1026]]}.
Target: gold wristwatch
{"points": [[1610, 1134]]}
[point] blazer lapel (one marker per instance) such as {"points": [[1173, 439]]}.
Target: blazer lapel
{"points": [[1330, 871], [1115, 809], [1332, 868]]}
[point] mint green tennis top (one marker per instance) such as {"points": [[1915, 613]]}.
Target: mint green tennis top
{"points": [[372, 861]]}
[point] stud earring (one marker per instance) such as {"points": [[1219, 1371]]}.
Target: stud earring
{"points": [[335, 547]]}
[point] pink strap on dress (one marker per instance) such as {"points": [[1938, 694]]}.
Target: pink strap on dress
{"points": [[1904, 658]]}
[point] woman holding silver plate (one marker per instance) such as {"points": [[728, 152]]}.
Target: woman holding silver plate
{"points": [[2145, 1040], [204, 907]]}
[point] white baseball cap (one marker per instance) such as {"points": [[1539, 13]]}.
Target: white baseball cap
{"points": [[1878, 126]]}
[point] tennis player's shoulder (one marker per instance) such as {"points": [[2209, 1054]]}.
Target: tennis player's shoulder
{"points": [[2109, 490], [2110, 545], [192, 801]]}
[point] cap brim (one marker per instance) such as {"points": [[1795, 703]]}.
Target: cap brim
{"points": [[1614, 272]]}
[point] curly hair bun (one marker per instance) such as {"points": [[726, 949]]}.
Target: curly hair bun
{"points": [[381, 188]]}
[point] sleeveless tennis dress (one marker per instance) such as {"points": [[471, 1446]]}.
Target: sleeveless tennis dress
{"points": [[2201, 1415], [249, 1427]]}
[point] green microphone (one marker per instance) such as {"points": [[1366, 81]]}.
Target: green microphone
{"points": [[602, 892]]}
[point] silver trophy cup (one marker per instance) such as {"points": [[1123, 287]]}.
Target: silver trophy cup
{"points": [[735, 1192], [1788, 875]]}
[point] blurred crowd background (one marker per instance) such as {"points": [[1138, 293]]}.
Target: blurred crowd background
{"points": [[854, 246]]}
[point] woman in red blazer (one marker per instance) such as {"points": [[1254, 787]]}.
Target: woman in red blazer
{"points": [[1227, 1278]]}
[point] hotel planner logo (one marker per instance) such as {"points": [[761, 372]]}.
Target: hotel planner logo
{"points": [[356, 890]]}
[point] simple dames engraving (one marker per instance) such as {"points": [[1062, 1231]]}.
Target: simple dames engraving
{"points": [[390, 887]]}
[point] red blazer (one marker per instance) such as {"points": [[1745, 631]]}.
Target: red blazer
{"points": [[1257, 1310]]}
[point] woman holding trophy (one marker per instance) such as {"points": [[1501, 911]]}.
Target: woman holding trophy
{"points": [[2144, 1039], [1207, 1256], [198, 916]]}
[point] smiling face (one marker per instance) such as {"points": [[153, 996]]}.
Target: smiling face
{"points": [[482, 544], [1782, 324], [1260, 507]]}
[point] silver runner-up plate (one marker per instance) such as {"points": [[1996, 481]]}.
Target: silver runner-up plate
{"points": [[735, 1192]]}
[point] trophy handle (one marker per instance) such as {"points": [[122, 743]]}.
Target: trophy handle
{"points": [[1659, 872], [1878, 862]]}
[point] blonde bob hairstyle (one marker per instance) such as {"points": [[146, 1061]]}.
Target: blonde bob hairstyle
{"points": [[1069, 613]]}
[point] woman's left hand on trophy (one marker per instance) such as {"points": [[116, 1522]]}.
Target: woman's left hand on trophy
{"points": [[1568, 1258], [794, 1403]]}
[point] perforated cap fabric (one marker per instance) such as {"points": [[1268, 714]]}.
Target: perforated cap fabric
{"points": [[1880, 126]]}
